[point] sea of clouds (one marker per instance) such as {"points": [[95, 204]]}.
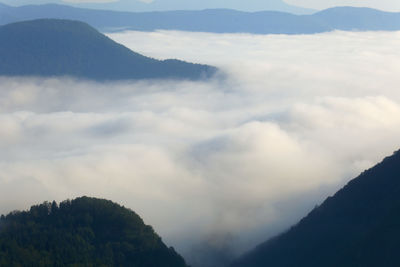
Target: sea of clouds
{"points": [[215, 166]]}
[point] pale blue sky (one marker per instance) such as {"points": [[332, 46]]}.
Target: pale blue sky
{"points": [[248, 5]]}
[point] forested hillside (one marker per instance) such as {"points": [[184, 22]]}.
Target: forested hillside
{"points": [[358, 227], [82, 232]]}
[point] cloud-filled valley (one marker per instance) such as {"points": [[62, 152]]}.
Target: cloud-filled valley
{"points": [[230, 161]]}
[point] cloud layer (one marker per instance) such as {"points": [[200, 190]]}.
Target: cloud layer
{"points": [[217, 166]]}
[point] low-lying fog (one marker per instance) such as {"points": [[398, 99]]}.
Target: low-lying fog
{"points": [[216, 166]]}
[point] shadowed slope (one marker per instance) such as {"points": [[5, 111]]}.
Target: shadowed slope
{"points": [[358, 226], [51, 47]]}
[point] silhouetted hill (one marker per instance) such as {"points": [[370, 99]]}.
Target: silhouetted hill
{"points": [[82, 232], [358, 227], [214, 20], [50, 47]]}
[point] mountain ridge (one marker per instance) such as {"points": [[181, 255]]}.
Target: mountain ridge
{"points": [[168, 5], [82, 232], [358, 226], [213, 20], [53, 47]]}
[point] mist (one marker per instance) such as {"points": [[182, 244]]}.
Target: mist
{"points": [[215, 166]]}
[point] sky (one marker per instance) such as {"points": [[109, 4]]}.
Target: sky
{"points": [[214, 166], [249, 5]]}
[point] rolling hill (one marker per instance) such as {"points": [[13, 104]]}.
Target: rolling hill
{"points": [[358, 18], [213, 20], [50, 47], [82, 232], [358, 226]]}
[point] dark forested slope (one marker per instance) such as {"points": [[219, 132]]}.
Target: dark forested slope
{"points": [[358, 227], [51, 47], [82, 232]]}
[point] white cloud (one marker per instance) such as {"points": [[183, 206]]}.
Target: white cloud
{"points": [[234, 160]]}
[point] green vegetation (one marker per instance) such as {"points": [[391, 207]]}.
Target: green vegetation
{"points": [[358, 227], [82, 232]]}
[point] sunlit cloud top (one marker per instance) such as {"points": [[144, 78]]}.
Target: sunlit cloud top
{"points": [[242, 158]]}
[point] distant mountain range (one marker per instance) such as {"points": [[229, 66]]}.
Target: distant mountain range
{"points": [[358, 227], [214, 20], [168, 5], [82, 232], [51, 47]]}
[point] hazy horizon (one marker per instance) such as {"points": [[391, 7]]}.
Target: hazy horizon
{"points": [[294, 6]]}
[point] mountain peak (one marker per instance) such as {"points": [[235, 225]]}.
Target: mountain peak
{"points": [[84, 231], [52, 25], [56, 47], [351, 10]]}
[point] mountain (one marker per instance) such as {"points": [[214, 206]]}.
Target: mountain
{"points": [[168, 5], [210, 20], [358, 227], [82, 232], [358, 18], [213, 20], [50, 47]]}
